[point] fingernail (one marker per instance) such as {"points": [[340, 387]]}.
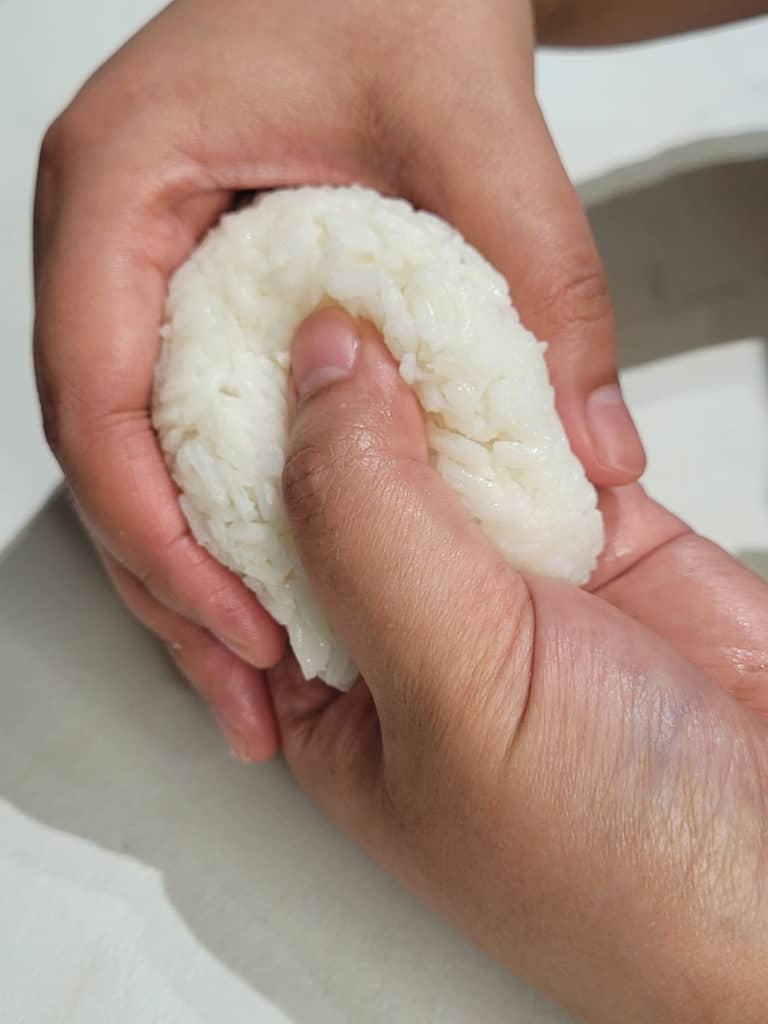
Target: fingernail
{"points": [[614, 435], [324, 350]]}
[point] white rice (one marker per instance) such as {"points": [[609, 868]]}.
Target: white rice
{"points": [[445, 313]]}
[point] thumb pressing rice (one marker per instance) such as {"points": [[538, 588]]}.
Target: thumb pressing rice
{"points": [[446, 315]]}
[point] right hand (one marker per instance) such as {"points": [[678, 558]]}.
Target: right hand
{"points": [[578, 781], [433, 101]]}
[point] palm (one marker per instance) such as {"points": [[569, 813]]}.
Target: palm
{"points": [[654, 569]]}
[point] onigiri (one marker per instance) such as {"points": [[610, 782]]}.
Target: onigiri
{"points": [[220, 404]]}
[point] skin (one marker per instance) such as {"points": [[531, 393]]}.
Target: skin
{"points": [[599, 22], [579, 781]]}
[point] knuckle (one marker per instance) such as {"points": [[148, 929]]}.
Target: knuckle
{"points": [[227, 605], [307, 482], [59, 424], [61, 151], [320, 476], [62, 139], [578, 295], [160, 576], [508, 660], [53, 144], [185, 577], [70, 423], [50, 411]]}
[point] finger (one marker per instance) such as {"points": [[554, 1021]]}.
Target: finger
{"points": [[103, 266], [235, 691], [635, 526], [332, 744], [712, 608], [505, 188], [330, 740], [386, 543]]}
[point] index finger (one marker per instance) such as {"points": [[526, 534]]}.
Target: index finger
{"points": [[506, 190], [104, 255]]}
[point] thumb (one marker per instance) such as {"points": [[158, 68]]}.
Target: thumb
{"points": [[407, 579], [524, 215]]}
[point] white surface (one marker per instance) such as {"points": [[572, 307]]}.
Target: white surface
{"points": [[704, 418], [143, 877], [607, 110], [134, 959], [615, 108]]}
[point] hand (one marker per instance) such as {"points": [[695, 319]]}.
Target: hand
{"points": [[578, 781], [432, 101], [598, 22]]}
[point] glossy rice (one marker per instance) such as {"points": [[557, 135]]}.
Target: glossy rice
{"points": [[222, 380]]}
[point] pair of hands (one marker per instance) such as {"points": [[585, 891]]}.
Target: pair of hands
{"points": [[578, 780]]}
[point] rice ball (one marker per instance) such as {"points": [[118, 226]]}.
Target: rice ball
{"points": [[221, 387]]}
